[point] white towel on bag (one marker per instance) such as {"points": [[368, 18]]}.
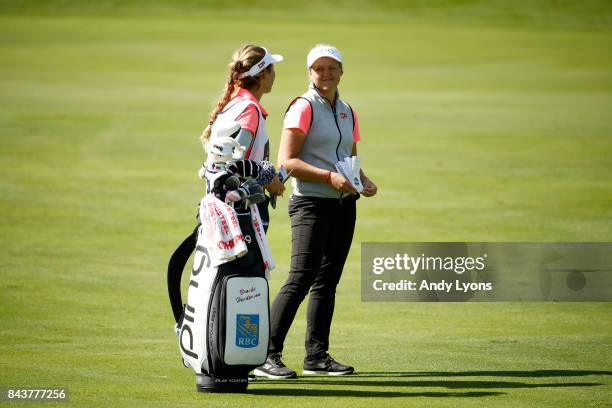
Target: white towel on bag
{"points": [[220, 234], [262, 241]]}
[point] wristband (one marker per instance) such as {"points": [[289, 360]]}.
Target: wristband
{"points": [[328, 178]]}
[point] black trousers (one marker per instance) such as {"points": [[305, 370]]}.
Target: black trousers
{"points": [[322, 231]]}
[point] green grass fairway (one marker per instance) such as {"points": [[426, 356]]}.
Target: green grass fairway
{"points": [[481, 121]]}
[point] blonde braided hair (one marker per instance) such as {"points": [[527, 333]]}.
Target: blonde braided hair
{"points": [[242, 61]]}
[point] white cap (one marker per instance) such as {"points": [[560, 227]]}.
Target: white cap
{"points": [[321, 51], [268, 59]]}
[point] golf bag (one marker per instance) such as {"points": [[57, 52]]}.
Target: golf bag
{"points": [[223, 328]]}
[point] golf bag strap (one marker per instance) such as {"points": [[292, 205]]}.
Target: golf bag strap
{"points": [[177, 263]]}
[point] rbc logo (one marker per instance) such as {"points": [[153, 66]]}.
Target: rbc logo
{"points": [[247, 330]]}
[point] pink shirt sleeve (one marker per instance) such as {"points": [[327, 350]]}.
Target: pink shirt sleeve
{"points": [[356, 134], [249, 119], [298, 116]]}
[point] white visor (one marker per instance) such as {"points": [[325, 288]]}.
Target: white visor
{"points": [[323, 51], [268, 59]]}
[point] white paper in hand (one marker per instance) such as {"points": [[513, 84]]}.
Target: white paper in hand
{"points": [[356, 172], [350, 170]]}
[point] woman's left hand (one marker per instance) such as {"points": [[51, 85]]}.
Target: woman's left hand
{"points": [[369, 188]]}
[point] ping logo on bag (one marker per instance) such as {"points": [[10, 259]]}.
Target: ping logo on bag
{"points": [[247, 330]]}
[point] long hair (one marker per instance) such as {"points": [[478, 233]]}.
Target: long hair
{"points": [[243, 59]]}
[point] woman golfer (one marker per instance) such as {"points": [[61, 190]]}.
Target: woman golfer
{"points": [[251, 75], [319, 130]]}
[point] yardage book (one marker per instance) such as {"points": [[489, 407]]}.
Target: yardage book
{"points": [[350, 169]]}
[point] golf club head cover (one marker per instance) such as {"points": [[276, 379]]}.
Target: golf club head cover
{"points": [[220, 183], [243, 168], [251, 192], [231, 183], [266, 173]]}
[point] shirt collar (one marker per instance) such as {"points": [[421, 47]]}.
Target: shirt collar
{"points": [[314, 88], [246, 94]]}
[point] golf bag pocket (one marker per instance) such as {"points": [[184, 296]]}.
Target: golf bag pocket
{"points": [[247, 323], [238, 323]]}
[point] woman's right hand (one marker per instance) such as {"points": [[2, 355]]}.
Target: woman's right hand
{"points": [[276, 187], [340, 183]]}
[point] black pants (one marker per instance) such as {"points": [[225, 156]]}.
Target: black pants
{"points": [[322, 231]]}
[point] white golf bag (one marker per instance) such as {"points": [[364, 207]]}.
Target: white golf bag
{"points": [[224, 328]]}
